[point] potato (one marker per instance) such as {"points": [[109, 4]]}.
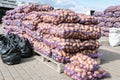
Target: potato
{"points": [[60, 54]]}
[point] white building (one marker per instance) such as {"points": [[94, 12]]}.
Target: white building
{"points": [[8, 3], [22, 3]]}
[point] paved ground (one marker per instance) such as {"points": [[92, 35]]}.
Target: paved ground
{"points": [[29, 69], [32, 69], [111, 61]]}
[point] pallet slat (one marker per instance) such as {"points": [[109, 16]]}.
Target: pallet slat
{"points": [[59, 66]]}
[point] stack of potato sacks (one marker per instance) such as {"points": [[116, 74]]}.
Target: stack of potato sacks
{"points": [[101, 20], [56, 33], [67, 33], [109, 18]]}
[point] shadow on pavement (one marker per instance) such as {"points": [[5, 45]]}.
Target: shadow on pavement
{"points": [[109, 56], [23, 60]]}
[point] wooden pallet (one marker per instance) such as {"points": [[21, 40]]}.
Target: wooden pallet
{"points": [[59, 67]]}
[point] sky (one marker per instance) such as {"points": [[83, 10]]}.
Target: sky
{"points": [[78, 5]]}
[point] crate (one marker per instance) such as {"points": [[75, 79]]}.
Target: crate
{"points": [[59, 67]]}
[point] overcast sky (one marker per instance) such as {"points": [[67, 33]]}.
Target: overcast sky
{"points": [[78, 5]]}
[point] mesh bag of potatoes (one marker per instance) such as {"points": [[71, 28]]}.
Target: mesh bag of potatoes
{"points": [[70, 45], [31, 20], [98, 14], [45, 7], [33, 34], [42, 48], [14, 16], [58, 16], [29, 8], [112, 9], [28, 37], [70, 30], [30, 24], [87, 20], [31, 15], [13, 25], [13, 29], [83, 67], [18, 16], [63, 57], [15, 22]]}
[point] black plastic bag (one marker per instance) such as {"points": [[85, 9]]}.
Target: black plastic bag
{"points": [[22, 44], [4, 44], [1, 42], [10, 53], [25, 48], [13, 56], [14, 39], [13, 48]]}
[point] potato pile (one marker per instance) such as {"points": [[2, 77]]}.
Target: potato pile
{"points": [[54, 29], [108, 19], [83, 67]]}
